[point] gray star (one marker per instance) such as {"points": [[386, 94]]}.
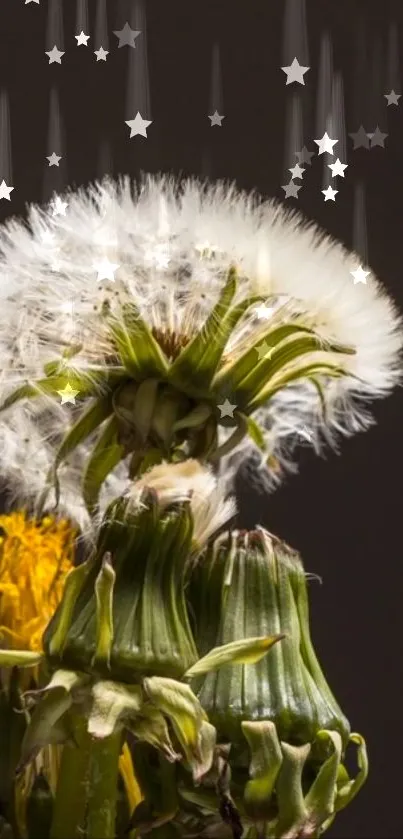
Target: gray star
{"points": [[54, 159], [127, 36], [55, 56], [216, 119], [101, 54], [227, 409], [360, 138], [295, 72], [138, 125], [392, 97], [264, 350], [297, 171], [291, 190], [304, 156], [378, 138]]}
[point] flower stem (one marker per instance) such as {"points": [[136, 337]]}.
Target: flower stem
{"points": [[85, 803], [72, 786], [103, 786]]}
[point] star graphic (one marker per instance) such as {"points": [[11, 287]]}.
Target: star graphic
{"points": [[227, 409], [82, 39], [127, 36], [101, 54], [326, 144], [337, 168], [296, 171], [68, 394], [295, 72], [264, 350], [378, 138], [291, 190], [360, 138], [54, 159], [392, 97], [329, 193], [264, 312], [360, 276], [5, 190], [55, 56], [138, 125], [32, 1], [304, 156], [106, 270], [216, 119], [60, 207]]}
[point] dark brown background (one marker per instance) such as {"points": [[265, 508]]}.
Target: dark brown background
{"points": [[344, 514]]}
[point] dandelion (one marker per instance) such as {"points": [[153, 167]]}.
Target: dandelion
{"points": [[155, 350]]}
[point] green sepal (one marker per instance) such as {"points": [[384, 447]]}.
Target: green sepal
{"points": [[140, 353], [88, 422], [290, 798], [144, 406], [56, 366], [269, 389], [320, 799], [348, 791], [246, 651], [87, 383], [266, 760], [106, 454], [195, 418], [19, 658], [72, 587], [111, 704], [233, 440], [178, 702], [104, 585], [195, 365]]}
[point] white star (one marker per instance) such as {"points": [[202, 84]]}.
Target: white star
{"points": [[68, 394], [138, 125], [54, 159], [227, 409], [106, 270], [296, 171], [326, 144], [360, 276], [329, 193], [337, 168], [216, 119], [5, 190], [295, 72], [32, 1], [82, 39], [264, 350], [264, 312], [101, 54], [55, 56], [60, 207]]}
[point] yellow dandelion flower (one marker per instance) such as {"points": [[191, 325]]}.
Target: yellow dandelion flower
{"points": [[35, 557]]}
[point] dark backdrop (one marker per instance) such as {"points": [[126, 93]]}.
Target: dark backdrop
{"points": [[344, 513]]}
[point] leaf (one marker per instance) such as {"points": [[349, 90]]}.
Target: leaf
{"points": [[247, 651], [319, 801], [140, 353], [88, 422], [107, 453], [19, 658], [195, 365]]}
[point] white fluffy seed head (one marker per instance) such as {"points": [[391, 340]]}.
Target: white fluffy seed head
{"points": [[170, 246]]}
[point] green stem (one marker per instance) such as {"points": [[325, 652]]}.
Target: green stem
{"points": [[103, 787], [71, 792]]}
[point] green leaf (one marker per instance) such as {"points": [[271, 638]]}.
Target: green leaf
{"points": [[319, 801], [195, 365], [247, 651], [140, 353], [88, 422], [107, 453], [19, 658]]}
